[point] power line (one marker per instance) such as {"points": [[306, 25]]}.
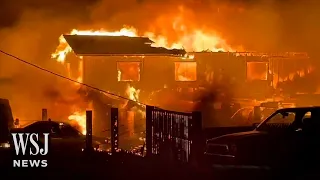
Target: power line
{"points": [[64, 77]]}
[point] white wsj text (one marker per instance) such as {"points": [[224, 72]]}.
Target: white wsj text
{"points": [[22, 142]]}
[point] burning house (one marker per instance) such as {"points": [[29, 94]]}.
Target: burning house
{"points": [[124, 65], [117, 64], [143, 71]]}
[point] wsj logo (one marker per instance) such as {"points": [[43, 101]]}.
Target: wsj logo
{"points": [[27, 145]]}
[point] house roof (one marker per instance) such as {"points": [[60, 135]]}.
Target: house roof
{"points": [[116, 45]]}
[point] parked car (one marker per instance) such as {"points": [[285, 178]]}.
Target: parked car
{"points": [[6, 122], [63, 136], [288, 138]]}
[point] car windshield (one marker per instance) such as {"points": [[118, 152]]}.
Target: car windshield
{"points": [[266, 112], [279, 119]]}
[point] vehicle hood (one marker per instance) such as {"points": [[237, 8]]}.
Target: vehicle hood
{"points": [[238, 137]]}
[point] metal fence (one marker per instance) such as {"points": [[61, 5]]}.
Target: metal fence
{"points": [[114, 129], [172, 134], [124, 134]]}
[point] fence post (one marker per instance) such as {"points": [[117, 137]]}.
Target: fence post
{"points": [[149, 135], [197, 145], [44, 114], [114, 129], [89, 131], [197, 120]]}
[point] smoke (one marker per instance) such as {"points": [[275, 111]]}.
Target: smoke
{"points": [[32, 38], [32, 34], [264, 25]]}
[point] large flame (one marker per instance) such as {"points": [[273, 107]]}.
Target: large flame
{"points": [[63, 49], [192, 41], [132, 93], [80, 119], [186, 37]]}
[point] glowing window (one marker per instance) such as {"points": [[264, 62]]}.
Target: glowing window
{"points": [[185, 71], [257, 70], [128, 71]]}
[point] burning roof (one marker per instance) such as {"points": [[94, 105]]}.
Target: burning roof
{"points": [[195, 40], [114, 45]]}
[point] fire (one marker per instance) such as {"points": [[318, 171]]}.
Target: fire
{"points": [[63, 49], [194, 40], [186, 36], [128, 71], [80, 119], [119, 75], [80, 70], [132, 93]]}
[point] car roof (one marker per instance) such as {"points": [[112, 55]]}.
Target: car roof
{"points": [[52, 122], [311, 108]]}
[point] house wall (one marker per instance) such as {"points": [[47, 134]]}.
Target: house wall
{"points": [[158, 72]]}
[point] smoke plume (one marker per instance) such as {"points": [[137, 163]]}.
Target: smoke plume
{"points": [[33, 38], [32, 34]]}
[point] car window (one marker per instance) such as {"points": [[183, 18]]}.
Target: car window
{"points": [[266, 112], [280, 118]]}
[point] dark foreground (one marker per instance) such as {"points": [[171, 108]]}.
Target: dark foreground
{"points": [[121, 166]]}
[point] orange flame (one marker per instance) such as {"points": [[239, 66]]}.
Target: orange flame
{"points": [[192, 41], [80, 119], [63, 49], [132, 93]]}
